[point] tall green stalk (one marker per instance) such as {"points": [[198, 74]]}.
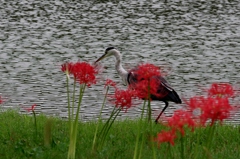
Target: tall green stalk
{"points": [[107, 126], [74, 125], [99, 119], [182, 146], [170, 151], [103, 130], [140, 123], [35, 123], [73, 98], [68, 99], [210, 138], [81, 92], [150, 120], [151, 129]]}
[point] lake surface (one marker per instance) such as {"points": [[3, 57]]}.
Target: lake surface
{"points": [[195, 43]]}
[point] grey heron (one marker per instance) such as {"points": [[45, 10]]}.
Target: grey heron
{"points": [[130, 78]]}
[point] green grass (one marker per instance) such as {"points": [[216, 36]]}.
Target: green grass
{"points": [[19, 140]]}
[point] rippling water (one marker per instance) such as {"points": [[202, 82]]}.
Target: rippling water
{"points": [[197, 43]]}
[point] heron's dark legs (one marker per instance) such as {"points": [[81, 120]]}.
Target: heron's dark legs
{"points": [[166, 105]]}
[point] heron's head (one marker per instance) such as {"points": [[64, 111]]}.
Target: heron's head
{"points": [[108, 52]]}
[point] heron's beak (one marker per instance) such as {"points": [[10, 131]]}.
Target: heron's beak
{"points": [[102, 57]]}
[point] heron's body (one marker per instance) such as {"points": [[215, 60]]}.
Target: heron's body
{"points": [[130, 78]]}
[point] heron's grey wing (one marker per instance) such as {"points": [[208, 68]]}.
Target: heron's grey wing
{"points": [[165, 83], [131, 78]]}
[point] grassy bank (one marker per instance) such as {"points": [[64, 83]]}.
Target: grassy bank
{"points": [[19, 139]]}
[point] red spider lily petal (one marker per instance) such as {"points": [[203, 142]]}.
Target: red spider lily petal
{"points": [[67, 67], [211, 108], [195, 102], [84, 73], [166, 136], [148, 84], [31, 108], [110, 82], [147, 71], [181, 118], [124, 98], [221, 90], [149, 88], [145, 88], [215, 109]]}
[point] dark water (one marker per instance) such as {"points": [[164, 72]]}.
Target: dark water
{"points": [[196, 43]]}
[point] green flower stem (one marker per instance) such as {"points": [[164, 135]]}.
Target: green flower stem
{"points": [[210, 136], [35, 123], [140, 123], [73, 98], [74, 126], [71, 112], [68, 99], [102, 132], [150, 120], [82, 89], [143, 140], [197, 150], [149, 111], [99, 119], [149, 102], [108, 125], [182, 146], [72, 146], [170, 151], [151, 129]]}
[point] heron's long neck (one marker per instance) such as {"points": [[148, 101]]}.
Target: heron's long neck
{"points": [[121, 71]]}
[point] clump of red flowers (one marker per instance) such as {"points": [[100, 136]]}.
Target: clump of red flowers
{"points": [[216, 106], [166, 136], [211, 108], [146, 71], [67, 67], [147, 83], [180, 119], [83, 72], [145, 88], [123, 99], [110, 82], [221, 90]]}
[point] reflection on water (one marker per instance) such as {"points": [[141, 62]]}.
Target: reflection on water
{"points": [[196, 42]]}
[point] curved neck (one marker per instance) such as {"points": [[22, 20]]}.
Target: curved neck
{"points": [[118, 65]]}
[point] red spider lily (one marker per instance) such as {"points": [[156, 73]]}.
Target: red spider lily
{"points": [[180, 119], [166, 136], [67, 67], [221, 90], [147, 71], [148, 89], [211, 108], [215, 109], [195, 102], [110, 82], [147, 84], [31, 108], [83, 72], [123, 98]]}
